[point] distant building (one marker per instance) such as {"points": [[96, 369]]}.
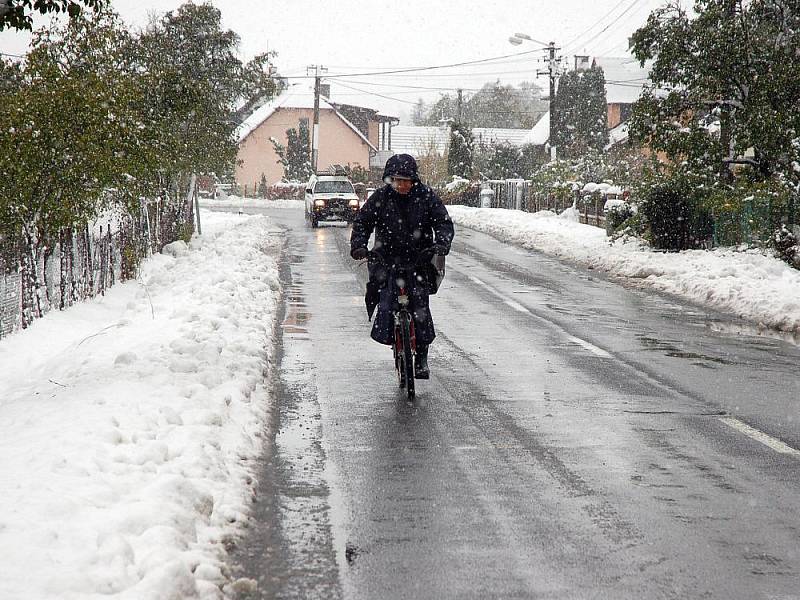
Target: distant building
{"points": [[625, 80], [341, 141]]}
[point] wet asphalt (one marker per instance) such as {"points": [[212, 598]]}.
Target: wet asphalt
{"points": [[578, 438]]}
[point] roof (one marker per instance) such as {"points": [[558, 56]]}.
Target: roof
{"points": [[420, 140], [493, 135], [617, 135], [625, 79], [298, 96], [540, 132]]}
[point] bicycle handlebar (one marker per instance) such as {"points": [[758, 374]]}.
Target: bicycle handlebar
{"points": [[419, 259]]}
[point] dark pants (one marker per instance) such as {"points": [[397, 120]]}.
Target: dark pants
{"points": [[383, 325]]}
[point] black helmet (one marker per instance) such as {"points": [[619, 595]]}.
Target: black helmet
{"points": [[401, 165]]}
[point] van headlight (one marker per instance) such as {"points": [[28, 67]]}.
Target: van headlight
{"points": [[353, 203], [319, 202]]}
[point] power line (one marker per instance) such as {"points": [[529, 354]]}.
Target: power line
{"points": [[375, 94], [428, 68], [593, 25], [607, 27]]}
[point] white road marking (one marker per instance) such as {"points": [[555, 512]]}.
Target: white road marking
{"points": [[519, 307], [591, 347], [759, 436], [478, 281]]}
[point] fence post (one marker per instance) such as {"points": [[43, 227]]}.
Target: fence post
{"points": [[597, 212], [194, 198]]}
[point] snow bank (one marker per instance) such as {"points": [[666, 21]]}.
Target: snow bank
{"points": [[128, 423], [750, 283]]}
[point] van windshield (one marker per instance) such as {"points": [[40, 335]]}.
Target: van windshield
{"points": [[334, 187]]}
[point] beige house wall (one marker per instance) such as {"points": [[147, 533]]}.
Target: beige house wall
{"points": [[339, 144], [614, 115], [373, 131]]}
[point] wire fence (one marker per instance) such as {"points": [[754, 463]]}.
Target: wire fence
{"points": [[84, 262]]}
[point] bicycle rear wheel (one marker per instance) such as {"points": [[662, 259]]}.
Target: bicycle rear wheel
{"points": [[407, 357]]}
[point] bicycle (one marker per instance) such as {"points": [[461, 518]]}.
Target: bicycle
{"points": [[404, 347]]}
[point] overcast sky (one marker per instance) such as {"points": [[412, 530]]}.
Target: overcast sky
{"points": [[357, 36]]}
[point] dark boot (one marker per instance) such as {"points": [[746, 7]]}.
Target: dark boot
{"points": [[421, 363]]}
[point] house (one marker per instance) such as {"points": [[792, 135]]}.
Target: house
{"points": [[341, 142], [625, 80]]}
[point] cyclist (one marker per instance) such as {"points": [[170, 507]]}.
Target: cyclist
{"points": [[409, 221]]}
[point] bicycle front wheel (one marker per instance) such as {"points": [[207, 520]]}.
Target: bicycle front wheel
{"points": [[407, 357]]}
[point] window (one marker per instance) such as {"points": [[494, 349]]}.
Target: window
{"points": [[334, 187]]}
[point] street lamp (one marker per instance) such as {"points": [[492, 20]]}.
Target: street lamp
{"points": [[551, 71]]}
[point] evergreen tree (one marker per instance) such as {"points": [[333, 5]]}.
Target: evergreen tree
{"points": [[579, 122], [295, 156], [459, 158]]}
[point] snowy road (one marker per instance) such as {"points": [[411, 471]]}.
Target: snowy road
{"points": [[576, 440]]}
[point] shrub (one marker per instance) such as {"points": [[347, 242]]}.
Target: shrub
{"points": [[786, 247], [675, 216], [617, 214]]}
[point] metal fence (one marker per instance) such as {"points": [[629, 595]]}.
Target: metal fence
{"points": [[83, 263], [519, 194]]}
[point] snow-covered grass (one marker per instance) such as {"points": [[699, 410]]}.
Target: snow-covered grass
{"points": [[128, 423], [239, 202], [749, 283]]}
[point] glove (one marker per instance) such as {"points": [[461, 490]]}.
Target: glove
{"points": [[359, 253], [440, 249]]}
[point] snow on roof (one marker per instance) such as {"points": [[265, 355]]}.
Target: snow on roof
{"points": [[617, 135], [297, 96], [418, 140], [540, 132], [493, 135], [625, 79]]}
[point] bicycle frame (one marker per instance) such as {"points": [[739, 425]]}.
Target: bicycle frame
{"points": [[404, 348]]}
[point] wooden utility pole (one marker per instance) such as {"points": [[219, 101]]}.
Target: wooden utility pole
{"points": [[552, 73], [315, 131], [459, 109]]}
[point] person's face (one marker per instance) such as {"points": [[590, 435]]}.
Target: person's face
{"points": [[402, 185]]}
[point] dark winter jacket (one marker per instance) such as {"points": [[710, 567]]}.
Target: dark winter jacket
{"points": [[403, 225]]}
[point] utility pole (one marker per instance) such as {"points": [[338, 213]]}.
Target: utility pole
{"points": [[459, 106], [315, 131], [552, 72]]}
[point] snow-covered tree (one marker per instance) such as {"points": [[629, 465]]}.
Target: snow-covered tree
{"points": [[579, 119], [724, 80], [459, 157], [295, 156]]}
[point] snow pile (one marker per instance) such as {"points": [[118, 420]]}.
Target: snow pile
{"points": [[749, 284], [127, 424], [239, 202], [457, 184]]}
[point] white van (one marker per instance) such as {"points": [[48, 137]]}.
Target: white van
{"points": [[330, 198]]}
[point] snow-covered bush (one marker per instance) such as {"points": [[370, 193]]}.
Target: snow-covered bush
{"points": [[786, 246], [617, 214], [675, 216]]}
